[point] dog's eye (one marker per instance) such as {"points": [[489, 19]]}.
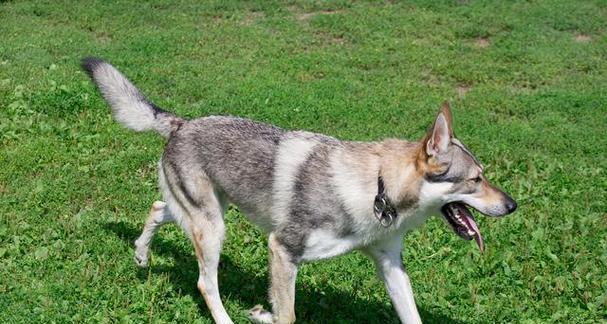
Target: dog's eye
{"points": [[476, 180]]}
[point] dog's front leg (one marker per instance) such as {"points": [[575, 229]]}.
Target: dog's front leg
{"points": [[388, 260], [283, 275], [283, 272]]}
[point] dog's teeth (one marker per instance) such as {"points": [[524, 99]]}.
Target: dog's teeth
{"points": [[458, 218]]}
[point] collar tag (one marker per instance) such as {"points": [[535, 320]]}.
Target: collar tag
{"points": [[382, 207]]}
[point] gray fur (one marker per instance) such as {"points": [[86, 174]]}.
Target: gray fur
{"points": [[228, 149], [459, 161]]}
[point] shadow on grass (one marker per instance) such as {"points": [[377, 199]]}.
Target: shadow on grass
{"points": [[249, 289]]}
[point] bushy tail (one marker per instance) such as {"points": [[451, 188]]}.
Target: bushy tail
{"points": [[129, 106]]}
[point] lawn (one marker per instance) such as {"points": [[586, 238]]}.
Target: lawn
{"points": [[527, 81]]}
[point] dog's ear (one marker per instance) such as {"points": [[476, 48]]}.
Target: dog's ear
{"points": [[439, 136], [446, 110]]}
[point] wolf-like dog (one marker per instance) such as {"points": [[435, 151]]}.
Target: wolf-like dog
{"points": [[316, 196]]}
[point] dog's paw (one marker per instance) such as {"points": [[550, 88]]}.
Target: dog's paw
{"points": [[141, 261], [141, 256], [259, 315]]}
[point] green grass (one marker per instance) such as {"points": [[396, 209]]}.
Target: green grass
{"points": [[528, 85]]}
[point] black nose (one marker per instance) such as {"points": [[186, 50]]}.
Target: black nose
{"points": [[510, 205]]}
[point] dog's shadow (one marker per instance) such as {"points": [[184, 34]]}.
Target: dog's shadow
{"points": [[249, 289]]}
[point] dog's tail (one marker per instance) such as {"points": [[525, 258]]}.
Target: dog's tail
{"points": [[129, 106]]}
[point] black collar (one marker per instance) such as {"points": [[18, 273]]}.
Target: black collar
{"points": [[383, 209]]}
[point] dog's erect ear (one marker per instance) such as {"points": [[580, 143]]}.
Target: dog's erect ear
{"points": [[446, 110], [440, 134]]}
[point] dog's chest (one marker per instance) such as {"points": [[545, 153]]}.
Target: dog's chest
{"points": [[323, 244], [326, 243]]}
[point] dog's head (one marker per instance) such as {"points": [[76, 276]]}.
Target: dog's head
{"points": [[454, 181]]}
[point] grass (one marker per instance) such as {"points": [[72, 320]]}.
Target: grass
{"points": [[526, 80]]}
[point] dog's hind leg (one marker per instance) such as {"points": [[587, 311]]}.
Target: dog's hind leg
{"points": [[207, 232], [203, 213], [159, 215], [198, 209], [207, 237]]}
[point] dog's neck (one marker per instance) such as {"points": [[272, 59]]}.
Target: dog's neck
{"points": [[400, 172], [384, 210]]}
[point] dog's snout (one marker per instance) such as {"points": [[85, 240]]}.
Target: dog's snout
{"points": [[510, 205]]}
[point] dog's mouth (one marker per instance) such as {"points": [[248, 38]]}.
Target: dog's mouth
{"points": [[459, 217]]}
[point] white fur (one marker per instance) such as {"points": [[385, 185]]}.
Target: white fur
{"points": [[259, 315], [323, 244], [434, 194], [387, 258], [356, 194], [292, 153]]}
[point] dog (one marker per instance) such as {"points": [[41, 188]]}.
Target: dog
{"points": [[316, 196]]}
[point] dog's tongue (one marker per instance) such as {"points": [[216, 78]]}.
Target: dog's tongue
{"points": [[477, 233]]}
